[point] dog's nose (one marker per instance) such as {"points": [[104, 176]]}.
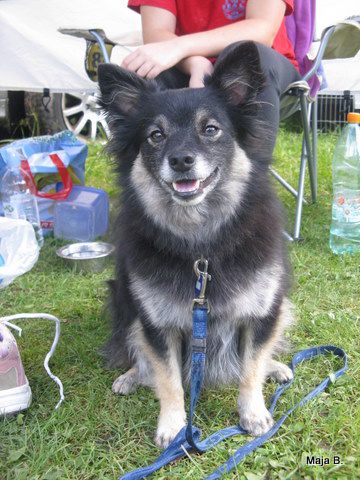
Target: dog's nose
{"points": [[181, 163]]}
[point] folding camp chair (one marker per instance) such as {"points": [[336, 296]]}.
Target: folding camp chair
{"points": [[339, 41]]}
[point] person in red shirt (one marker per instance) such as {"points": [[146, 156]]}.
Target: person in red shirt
{"points": [[186, 36]]}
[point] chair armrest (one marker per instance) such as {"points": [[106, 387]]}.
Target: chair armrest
{"points": [[341, 40], [319, 56]]}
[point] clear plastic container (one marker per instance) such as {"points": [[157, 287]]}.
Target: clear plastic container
{"points": [[17, 200], [83, 216], [345, 225]]}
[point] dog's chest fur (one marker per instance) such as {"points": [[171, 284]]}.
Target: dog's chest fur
{"points": [[167, 303], [233, 306]]}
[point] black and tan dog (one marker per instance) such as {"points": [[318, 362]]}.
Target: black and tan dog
{"points": [[195, 181]]}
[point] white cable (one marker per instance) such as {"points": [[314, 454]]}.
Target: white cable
{"points": [[23, 316]]}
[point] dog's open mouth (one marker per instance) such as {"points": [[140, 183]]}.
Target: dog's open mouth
{"points": [[189, 188]]}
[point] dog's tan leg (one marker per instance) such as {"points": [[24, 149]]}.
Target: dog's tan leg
{"points": [[169, 390], [277, 370], [254, 416]]}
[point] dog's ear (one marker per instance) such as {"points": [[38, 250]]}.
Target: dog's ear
{"points": [[238, 73], [120, 89]]}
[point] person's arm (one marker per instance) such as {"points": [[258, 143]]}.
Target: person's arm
{"points": [[158, 25], [261, 24], [163, 49]]}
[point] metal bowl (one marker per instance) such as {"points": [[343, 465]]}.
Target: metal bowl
{"points": [[86, 256]]}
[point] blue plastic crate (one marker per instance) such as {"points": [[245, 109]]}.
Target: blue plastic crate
{"points": [[83, 216]]}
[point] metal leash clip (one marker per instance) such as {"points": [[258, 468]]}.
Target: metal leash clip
{"points": [[202, 278]]}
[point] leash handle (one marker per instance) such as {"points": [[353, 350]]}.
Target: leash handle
{"points": [[299, 357]]}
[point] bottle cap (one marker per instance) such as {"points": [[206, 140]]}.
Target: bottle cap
{"points": [[353, 117]]}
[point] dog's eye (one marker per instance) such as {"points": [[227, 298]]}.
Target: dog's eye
{"points": [[211, 129], [157, 135]]}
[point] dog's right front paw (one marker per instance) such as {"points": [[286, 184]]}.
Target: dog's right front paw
{"points": [[168, 428], [255, 419]]}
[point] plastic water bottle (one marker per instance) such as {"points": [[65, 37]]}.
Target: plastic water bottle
{"points": [[345, 226], [18, 202]]}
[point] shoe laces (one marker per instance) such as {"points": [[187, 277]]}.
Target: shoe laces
{"points": [[26, 316]]}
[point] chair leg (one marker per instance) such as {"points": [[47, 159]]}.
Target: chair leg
{"points": [[308, 156], [300, 196], [285, 184], [305, 116], [314, 114]]}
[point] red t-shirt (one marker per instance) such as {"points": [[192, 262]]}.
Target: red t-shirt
{"points": [[207, 15]]}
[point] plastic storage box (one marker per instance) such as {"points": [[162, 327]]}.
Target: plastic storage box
{"points": [[83, 216]]}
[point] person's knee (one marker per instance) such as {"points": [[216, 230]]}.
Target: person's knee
{"points": [[173, 79], [263, 50], [276, 68]]}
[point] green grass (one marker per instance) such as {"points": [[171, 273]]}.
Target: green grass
{"points": [[96, 435]]}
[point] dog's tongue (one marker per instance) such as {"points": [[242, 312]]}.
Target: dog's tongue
{"points": [[186, 186]]}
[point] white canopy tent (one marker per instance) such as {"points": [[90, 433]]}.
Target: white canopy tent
{"points": [[35, 55]]}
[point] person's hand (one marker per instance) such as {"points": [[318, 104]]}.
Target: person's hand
{"points": [[151, 59], [198, 67]]}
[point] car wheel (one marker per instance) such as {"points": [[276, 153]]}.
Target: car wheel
{"points": [[77, 112]]}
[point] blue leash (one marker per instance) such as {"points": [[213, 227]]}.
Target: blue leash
{"points": [[188, 439]]}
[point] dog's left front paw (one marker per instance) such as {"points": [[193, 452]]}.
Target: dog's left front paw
{"points": [[256, 421], [126, 383], [167, 429], [279, 372]]}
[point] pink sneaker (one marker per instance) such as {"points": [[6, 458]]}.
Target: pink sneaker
{"points": [[15, 391]]}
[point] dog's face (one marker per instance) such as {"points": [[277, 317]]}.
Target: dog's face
{"points": [[185, 146]]}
